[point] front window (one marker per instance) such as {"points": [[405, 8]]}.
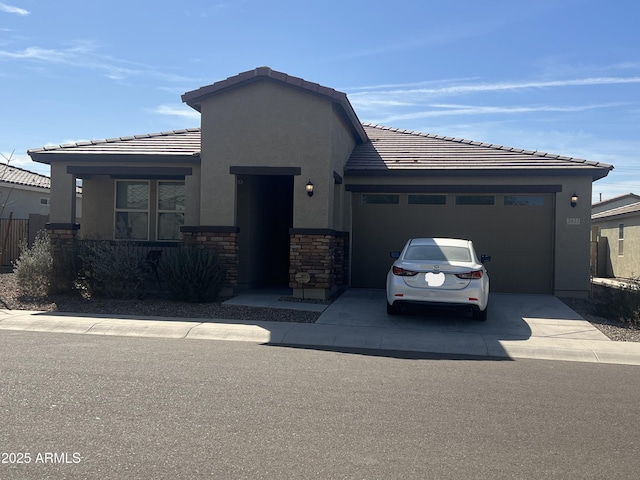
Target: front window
{"points": [[149, 210], [132, 210], [170, 210]]}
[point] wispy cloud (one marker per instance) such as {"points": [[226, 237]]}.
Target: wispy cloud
{"points": [[86, 55], [441, 110], [174, 111], [364, 95], [11, 9]]}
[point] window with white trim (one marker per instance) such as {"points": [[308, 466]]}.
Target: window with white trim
{"points": [[132, 210], [171, 197], [149, 210]]}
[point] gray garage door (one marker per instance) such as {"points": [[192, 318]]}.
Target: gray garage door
{"points": [[516, 230]]}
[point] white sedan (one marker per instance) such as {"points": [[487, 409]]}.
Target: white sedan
{"points": [[443, 272]]}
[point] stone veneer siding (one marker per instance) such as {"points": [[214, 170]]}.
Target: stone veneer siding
{"points": [[63, 250], [223, 241], [323, 254]]}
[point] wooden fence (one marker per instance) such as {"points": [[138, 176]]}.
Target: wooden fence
{"points": [[12, 233]]}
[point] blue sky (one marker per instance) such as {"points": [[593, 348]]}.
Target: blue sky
{"points": [[558, 76]]}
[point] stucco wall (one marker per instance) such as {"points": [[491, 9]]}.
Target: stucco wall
{"points": [[626, 265], [22, 201], [572, 242], [98, 218], [267, 124]]}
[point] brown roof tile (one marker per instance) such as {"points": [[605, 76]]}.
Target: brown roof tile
{"points": [[394, 150], [389, 150], [181, 143]]}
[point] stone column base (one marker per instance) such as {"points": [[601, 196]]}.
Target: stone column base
{"points": [[63, 249], [221, 240], [318, 262]]}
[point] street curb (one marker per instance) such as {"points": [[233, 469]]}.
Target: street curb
{"points": [[327, 336]]}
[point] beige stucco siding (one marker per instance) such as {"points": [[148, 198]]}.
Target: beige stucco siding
{"points": [[266, 124], [572, 240], [98, 208], [625, 264]]}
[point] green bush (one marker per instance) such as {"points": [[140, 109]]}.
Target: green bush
{"points": [[34, 266], [113, 269], [192, 275]]}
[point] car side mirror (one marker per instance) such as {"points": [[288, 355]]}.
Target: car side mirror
{"points": [[394, 254], [485, 258]]}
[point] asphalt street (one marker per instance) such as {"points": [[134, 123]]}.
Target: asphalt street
{"points": [[138, 408]]}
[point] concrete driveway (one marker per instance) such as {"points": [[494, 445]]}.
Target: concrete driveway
{"points": [[511, 316], [518, 326]]}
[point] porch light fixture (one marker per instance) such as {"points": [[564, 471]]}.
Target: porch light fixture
{"points": [[574, 199], [309, 188]]}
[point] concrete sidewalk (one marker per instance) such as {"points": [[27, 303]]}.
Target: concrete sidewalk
{"points": [[519, 326]]}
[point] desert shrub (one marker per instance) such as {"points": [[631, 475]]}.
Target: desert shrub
{"points": [[113, 269], [192, 275], [34, 266], [624, 302]]}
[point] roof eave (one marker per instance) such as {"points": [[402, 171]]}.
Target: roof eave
{"points": [[594, 172], [58, 156]]}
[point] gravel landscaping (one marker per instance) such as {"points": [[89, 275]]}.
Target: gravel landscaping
{"points": [[10, 298], [589, 309]]}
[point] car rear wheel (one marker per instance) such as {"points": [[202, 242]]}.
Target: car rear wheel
{"points": [[393, 309], [480, 315]]}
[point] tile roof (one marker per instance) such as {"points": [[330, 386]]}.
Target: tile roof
{"points": [[388, 150], [20, 176], [176, 142], [629, 197], [395, 150], [616, 212]]}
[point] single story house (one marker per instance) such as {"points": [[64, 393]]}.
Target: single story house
{"points": [[24, 208], [290, 188], [24, 193], [615, 237]]}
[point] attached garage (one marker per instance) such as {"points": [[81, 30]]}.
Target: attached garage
{"points": [[515, 205], [515, 229]]}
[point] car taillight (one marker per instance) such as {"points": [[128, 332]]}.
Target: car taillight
{"points": [[475, 275], [403, 273]]}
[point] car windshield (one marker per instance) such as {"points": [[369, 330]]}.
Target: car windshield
{"points": [[438, 253]]}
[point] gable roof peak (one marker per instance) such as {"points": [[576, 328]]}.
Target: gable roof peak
{"points": [[194, 98]]}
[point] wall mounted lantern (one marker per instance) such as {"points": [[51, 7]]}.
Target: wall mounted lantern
{"points": [[309, 188], [574, 199]]}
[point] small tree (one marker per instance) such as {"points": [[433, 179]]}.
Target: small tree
{"points": [[34, 266]]}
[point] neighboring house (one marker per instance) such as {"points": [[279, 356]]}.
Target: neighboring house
{"points": [[240, 184], [615, 235], [24, 197], [22, 192]]}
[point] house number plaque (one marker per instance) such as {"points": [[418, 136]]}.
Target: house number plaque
{"points": [[303, 277]]}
